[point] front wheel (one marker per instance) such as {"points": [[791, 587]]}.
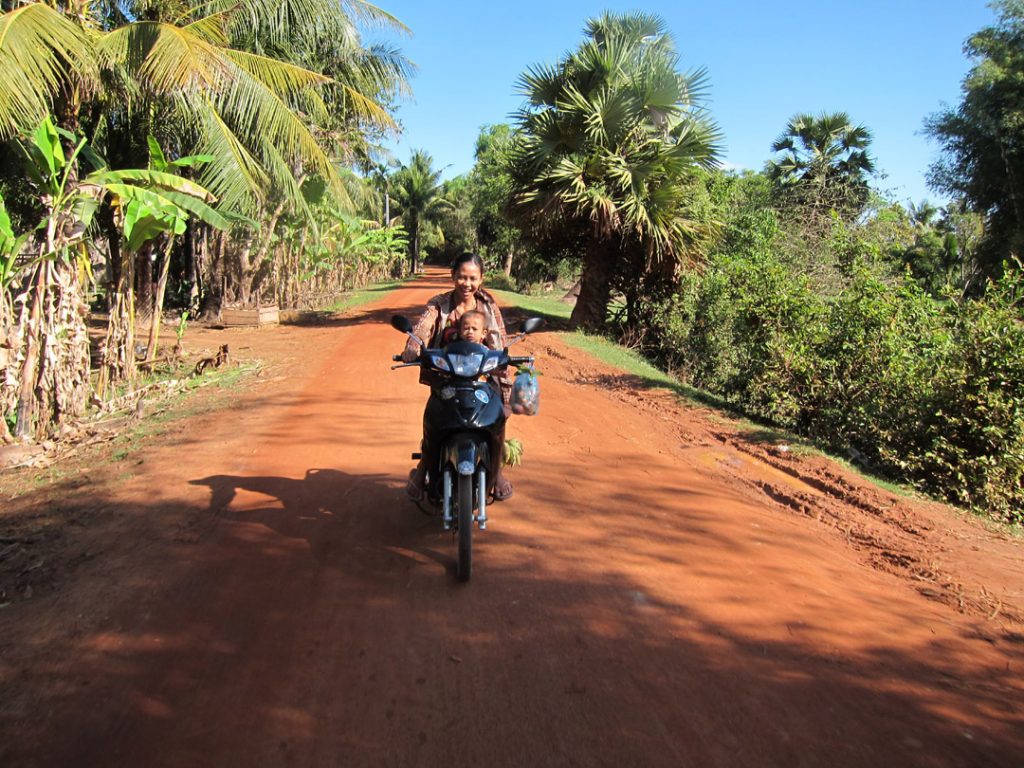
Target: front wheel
{"points": [[464, 502]]}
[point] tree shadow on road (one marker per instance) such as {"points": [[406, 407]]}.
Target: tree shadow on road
{"points": [[324, 508], [311, 624]]}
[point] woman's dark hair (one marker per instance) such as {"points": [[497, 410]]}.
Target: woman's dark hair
{"points": [[466, 257]]}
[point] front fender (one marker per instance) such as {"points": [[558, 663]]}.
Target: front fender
{"points": [[465, 452]]}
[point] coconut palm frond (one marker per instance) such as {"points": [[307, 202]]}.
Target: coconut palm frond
{"points": [[39, 49], [166, 59], [368, 13], [213, 28], [236, 176], [283, 181], [366, 109], [256, 111], [281, 77]]}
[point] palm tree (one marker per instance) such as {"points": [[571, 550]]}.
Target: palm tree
{"points": [[417, 192], [610, 136], [192, 74], [825, 163], [923, 215]]}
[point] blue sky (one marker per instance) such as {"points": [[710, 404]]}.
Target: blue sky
{"points": [[888, 64]]}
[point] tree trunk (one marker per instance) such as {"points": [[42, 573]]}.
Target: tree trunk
{"points": [[591, 310], [573, 293], [119, 346], [416, 251], [213, 277], [197, 252], [144, 285], [245, 270], [508, 261], [24, 425], [158, 300]]}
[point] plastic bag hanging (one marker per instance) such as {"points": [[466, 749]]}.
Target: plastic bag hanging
{"points": [[525, 399]]}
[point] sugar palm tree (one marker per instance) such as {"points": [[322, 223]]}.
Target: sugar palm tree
{"points": [[609, 138], [825, 162]]}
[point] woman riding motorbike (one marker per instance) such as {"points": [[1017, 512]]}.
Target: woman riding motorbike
{"points": [[443, 312]]}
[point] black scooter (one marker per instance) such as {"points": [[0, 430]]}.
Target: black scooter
{"points": [[462, 429]]}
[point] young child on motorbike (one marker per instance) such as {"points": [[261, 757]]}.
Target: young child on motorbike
{"points": [[473, 327]]}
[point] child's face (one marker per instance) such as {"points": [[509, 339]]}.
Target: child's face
{"points": [[472, 329]]}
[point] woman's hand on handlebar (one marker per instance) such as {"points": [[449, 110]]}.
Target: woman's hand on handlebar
{"points": [[410, 355]]}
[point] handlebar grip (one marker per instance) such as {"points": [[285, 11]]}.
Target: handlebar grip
{"points": [[520, 360], [397, 358]]}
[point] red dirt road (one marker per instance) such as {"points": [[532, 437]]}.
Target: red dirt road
{"points": [[660, 591]]}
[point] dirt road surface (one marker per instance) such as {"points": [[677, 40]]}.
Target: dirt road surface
{"points": [[253, 589]]}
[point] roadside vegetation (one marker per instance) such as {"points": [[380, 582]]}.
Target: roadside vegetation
{"points": [[799, 295], [160, 158], [179, 157]]}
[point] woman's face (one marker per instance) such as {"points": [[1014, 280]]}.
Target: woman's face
{"points": [[467, 279]]}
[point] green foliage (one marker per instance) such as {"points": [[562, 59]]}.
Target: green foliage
{"points": [[513, 452], [823, 164], [457, 233], [10, 247], [930, 391], [975, 437], [983, 138], [608, 144]]}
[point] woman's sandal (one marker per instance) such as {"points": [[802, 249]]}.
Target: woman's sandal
{"points": [[412, 490], [504, 494]]}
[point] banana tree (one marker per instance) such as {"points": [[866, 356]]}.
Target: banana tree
{"points": [[49, 375], [152, 204], [10, 248], [158, 162]]}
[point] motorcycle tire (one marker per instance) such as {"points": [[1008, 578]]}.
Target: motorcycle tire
{"points": [[464, 505]]}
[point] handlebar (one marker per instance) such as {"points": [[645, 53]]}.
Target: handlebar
{"points": [[524, 360]]}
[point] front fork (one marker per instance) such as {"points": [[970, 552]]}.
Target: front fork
{"points": [[447, 516], [446, 498]]}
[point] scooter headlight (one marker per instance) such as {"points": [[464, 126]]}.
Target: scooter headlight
{"points": [[466, 365], [438, 361]]}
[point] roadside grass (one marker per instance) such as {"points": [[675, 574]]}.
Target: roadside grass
{"points": [[632, 362], [555, 313], [364, 295]]}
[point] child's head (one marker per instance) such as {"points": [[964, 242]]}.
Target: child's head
{"points": [[472, 326]]}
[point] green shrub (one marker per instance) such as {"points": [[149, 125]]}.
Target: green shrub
{"points": [[929, 391]]}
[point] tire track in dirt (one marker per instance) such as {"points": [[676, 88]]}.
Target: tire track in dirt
{"points": [[894, 535]]}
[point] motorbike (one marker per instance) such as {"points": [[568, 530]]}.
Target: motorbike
{"points": [[463, 427]]}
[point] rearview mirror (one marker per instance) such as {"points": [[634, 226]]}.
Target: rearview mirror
{"points": [[400, 323], [531, 325]]}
